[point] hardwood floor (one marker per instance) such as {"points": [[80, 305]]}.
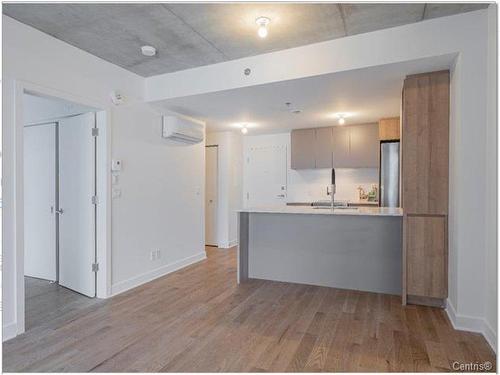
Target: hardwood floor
{"points": [[46, 301], [199, 320]]}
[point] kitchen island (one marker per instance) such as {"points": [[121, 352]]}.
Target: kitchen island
{"points": [[349, 248]]}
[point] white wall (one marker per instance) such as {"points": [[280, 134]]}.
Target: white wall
{"points": [[471, 151], [310, 185], [230, 153], [491, 235], [157, 182], [162, 200]]}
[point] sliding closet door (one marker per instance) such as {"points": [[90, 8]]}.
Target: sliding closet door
{"points": [[40, 201], [76, 188]]}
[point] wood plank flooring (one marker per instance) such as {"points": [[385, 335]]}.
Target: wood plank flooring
{"points": [[46, 301], [199, 320]]}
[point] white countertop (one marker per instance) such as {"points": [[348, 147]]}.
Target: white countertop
{"points": [[360, 211]]}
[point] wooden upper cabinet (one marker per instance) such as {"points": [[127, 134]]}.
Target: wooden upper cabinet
{"points": [[354, 146], [302, 154], [341, 157], [425, 130], [389, 129], [323, 148], [426, 256], [363, 146]]}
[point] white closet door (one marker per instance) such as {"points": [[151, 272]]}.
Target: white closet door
{"points": [[76, 189], [40, 201], [211, 193], [267, 175]]}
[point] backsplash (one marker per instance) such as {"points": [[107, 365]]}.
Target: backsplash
{"points": [[310, 185]]}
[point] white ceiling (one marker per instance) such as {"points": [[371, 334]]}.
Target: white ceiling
{"points": [[368, 94]]}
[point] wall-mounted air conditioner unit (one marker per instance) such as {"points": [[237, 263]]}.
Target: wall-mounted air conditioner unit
{"points": [[181, 130]]}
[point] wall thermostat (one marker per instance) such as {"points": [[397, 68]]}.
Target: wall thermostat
{"points": [[116, 165]]}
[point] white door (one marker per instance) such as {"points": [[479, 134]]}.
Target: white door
{"points": [[211, 174], [266, 176], [76, 188], [40, 201]]}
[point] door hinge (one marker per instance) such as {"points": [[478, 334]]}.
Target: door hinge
{"points": [[95, 199], [95, 267], [95, 132]]}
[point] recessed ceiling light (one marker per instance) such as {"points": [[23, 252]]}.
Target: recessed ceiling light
{"points": [[244, 130], [262, 22], [148, 51]]}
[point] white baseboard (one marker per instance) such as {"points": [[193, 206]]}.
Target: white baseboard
{"points": [[133, 282], [228, 245], [490, 335], [472, 324], [9, 331]]}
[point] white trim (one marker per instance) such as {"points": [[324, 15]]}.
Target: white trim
{"points": [[9, 331], [133, 282], [228, 245], [490, 335], [472, 324]]}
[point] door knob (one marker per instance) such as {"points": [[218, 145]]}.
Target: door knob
{"points": [[60, 211]]}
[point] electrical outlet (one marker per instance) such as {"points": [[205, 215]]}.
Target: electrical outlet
{"points": [[154, 254]]}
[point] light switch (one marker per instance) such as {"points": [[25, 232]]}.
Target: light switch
{"points": [[114, 179], [116, 193], [116, 165]]}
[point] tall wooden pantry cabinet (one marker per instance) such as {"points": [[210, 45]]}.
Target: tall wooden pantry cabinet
{"points": [[425, 145]]}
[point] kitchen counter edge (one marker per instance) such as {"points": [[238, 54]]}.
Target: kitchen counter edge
{"points": [[361, 211]]}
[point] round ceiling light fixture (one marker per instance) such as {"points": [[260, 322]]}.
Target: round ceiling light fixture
{"points": [[244, 130], [148, 51], [341, 117], [262, 22]]}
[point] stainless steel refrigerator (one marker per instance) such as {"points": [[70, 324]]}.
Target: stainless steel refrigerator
{"points": [[389, 174]]}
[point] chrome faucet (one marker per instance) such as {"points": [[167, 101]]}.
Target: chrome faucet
{"points": [[332, 190]]}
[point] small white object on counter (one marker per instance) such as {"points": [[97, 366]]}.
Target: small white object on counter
{"points": [[356, 211]]}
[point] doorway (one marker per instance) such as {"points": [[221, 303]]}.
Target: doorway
{"points": [[60, 197], [211, 195]]}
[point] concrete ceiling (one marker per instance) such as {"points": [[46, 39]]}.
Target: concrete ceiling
{"points": [[366, 94], [191, 35]]}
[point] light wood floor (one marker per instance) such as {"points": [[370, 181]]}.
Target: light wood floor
{"points": [[46, 301], [198, 319]]}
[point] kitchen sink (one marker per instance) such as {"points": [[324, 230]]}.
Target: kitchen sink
{"points": [[335, 208]]}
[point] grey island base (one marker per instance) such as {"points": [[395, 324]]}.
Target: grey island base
{"points": [[349, 249]]}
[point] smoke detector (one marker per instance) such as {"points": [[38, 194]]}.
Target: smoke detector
{"points": [[116, 97], [295, 111], [148, 51]]}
